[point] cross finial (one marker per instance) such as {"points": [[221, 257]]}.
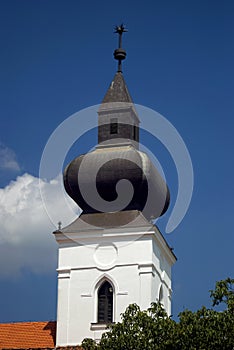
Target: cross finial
{"points": [[120, 30], [120, 53]]}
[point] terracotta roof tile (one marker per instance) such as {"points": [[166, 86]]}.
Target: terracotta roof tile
{"points": [[25, 335]]}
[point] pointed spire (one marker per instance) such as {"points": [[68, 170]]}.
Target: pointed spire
{"points": [[120, 53], [117, 91]]}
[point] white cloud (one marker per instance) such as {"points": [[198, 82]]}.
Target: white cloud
{"points": [[8, 159], [26, 239]]}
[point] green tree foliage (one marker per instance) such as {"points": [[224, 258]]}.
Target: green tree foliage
{"points": [[209, 329], [140, 330], [153, 329], [89, 344], [224, 293]]}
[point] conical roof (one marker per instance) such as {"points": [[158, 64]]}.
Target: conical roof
{"points": [[118, 91]]}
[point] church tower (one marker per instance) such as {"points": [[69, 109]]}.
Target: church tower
{"points": [[112, 255]]}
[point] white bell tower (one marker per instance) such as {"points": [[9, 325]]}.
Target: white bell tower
{"points": [[112, 255], [103, 270]]}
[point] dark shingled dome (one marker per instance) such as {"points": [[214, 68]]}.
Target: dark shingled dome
{"points": [[102, 169]]}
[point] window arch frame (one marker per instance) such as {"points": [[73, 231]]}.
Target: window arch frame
{"points": [[96, 304]]}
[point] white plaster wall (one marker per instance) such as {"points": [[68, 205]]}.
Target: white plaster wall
{"points": [[132, 266], [161, 258]]}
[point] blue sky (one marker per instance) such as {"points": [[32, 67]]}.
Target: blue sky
{"points": [[56, 59]]}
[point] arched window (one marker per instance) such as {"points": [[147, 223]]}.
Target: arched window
{"points": [[105, 303]]}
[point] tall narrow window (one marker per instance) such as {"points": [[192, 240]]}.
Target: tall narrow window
{"points": [[105, 303], [114, 126], [134, 132]]}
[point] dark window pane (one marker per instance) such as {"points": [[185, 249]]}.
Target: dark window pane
{"points": [[105, 303], [114, 126], [134, 132]]}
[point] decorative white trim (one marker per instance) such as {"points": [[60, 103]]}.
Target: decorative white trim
{"points": [[122, 293], [95, 235], [147, 268], [98, 326], [64, 273]]}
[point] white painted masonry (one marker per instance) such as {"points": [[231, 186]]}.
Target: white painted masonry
{"points": [[134, 258]]}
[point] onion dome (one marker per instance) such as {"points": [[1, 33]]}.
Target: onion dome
{"points": [[94, 182], [116, 176]]}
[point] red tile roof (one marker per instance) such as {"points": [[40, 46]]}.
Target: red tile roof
{"points": [[25, 335]]}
